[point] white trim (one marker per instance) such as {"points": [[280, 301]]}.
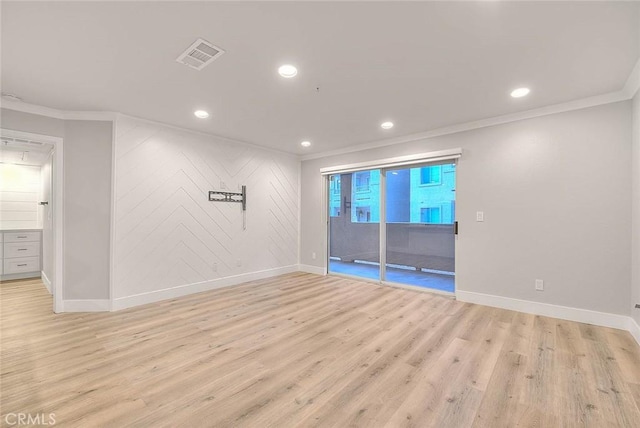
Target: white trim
{"points": [[32, 108], [112, 232], [419, 289], [58, 225], [436, 156], [58, 207], [58, 114], [21, 275], [634, 329], [113, 116], [198, 287], [594, 101], [326, 218], [317, 270], [208, 135], [382, 227], [40, 138], [545, 309], [631, 86], [633, 82], [46, 281], [299, 211], [86, 305]]}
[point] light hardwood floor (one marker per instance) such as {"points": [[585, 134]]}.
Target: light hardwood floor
{"points": [[307, 350]]}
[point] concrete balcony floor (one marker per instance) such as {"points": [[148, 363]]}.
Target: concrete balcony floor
{"points": [[417, 278]]}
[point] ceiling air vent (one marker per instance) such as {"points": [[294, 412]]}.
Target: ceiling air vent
{"points": [[200, 54]]}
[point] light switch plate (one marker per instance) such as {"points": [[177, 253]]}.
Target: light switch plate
{"points": [[479, 215], [539, 285]]}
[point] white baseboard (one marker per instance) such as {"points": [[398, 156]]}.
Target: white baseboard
{"points": [[12, 276], [198, 287], [312, 269], [46, 281], [87, 305], [603, 319], [634, 329]]}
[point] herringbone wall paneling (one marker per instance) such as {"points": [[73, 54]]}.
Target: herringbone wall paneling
{"points": [[167, 232]]}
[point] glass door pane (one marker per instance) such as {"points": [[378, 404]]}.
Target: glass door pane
{"points": [[354, 224], [420, 215]]}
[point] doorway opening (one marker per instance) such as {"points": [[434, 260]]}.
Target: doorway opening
{"points": [[31, 210]]}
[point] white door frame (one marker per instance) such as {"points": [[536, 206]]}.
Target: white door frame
{"points": [[58, 208], [384, 165]]}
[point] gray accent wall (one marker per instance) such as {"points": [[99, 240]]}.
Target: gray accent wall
{"points": [[87, 198], [87, 208], [555, 195], [27, 122]]}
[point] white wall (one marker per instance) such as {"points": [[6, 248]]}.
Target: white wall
{"points": [[169, 236], [19, 196], [87, 196], [635, 196], [555, 194], [46, 211]]}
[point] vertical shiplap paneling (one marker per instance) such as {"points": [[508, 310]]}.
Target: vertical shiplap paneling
{"points": [[167, 232], [19, 193]]}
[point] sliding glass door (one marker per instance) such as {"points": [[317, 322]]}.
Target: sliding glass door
{"points": [[404, 216], [354, 224], [420, 216]]}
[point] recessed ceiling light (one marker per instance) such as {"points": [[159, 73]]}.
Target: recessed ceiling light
{"points": [[201, 114], [305, 143], [520, 92], [287, 71], [386, 125]]}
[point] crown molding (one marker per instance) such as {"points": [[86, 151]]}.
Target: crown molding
{"points": [[113, 117], [594, 101], [633, 82], [208, 135], [629, 90], [57, 114]]}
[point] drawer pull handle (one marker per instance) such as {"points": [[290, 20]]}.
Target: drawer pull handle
{"points": [[22, 249], [22, 237], [23, 264]]}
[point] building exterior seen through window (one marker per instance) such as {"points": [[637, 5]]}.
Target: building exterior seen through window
{"points": [[414, 195]]}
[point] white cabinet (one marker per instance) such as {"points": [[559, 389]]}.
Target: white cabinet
{"points": [[20, 252]]}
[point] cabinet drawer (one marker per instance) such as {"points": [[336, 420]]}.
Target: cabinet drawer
{"points": [[21, 264], [21, 249], [22, 237]]}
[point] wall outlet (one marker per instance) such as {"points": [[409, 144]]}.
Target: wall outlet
{"points": [[313, 256], [223, 185], [539, 285], [479, 215], [214, 267], [238, 262]]}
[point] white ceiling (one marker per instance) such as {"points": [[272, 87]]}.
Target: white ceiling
{"points": [[423, 65]]}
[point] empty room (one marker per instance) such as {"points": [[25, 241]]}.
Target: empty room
{"points": [[320, 213]]}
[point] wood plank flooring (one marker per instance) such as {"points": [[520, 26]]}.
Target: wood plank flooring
{"points": [[306, 350]]}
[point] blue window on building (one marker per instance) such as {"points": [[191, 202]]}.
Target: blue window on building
{"points": [[431, 215], [431, 175], [362, 180], [334, 195]]}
